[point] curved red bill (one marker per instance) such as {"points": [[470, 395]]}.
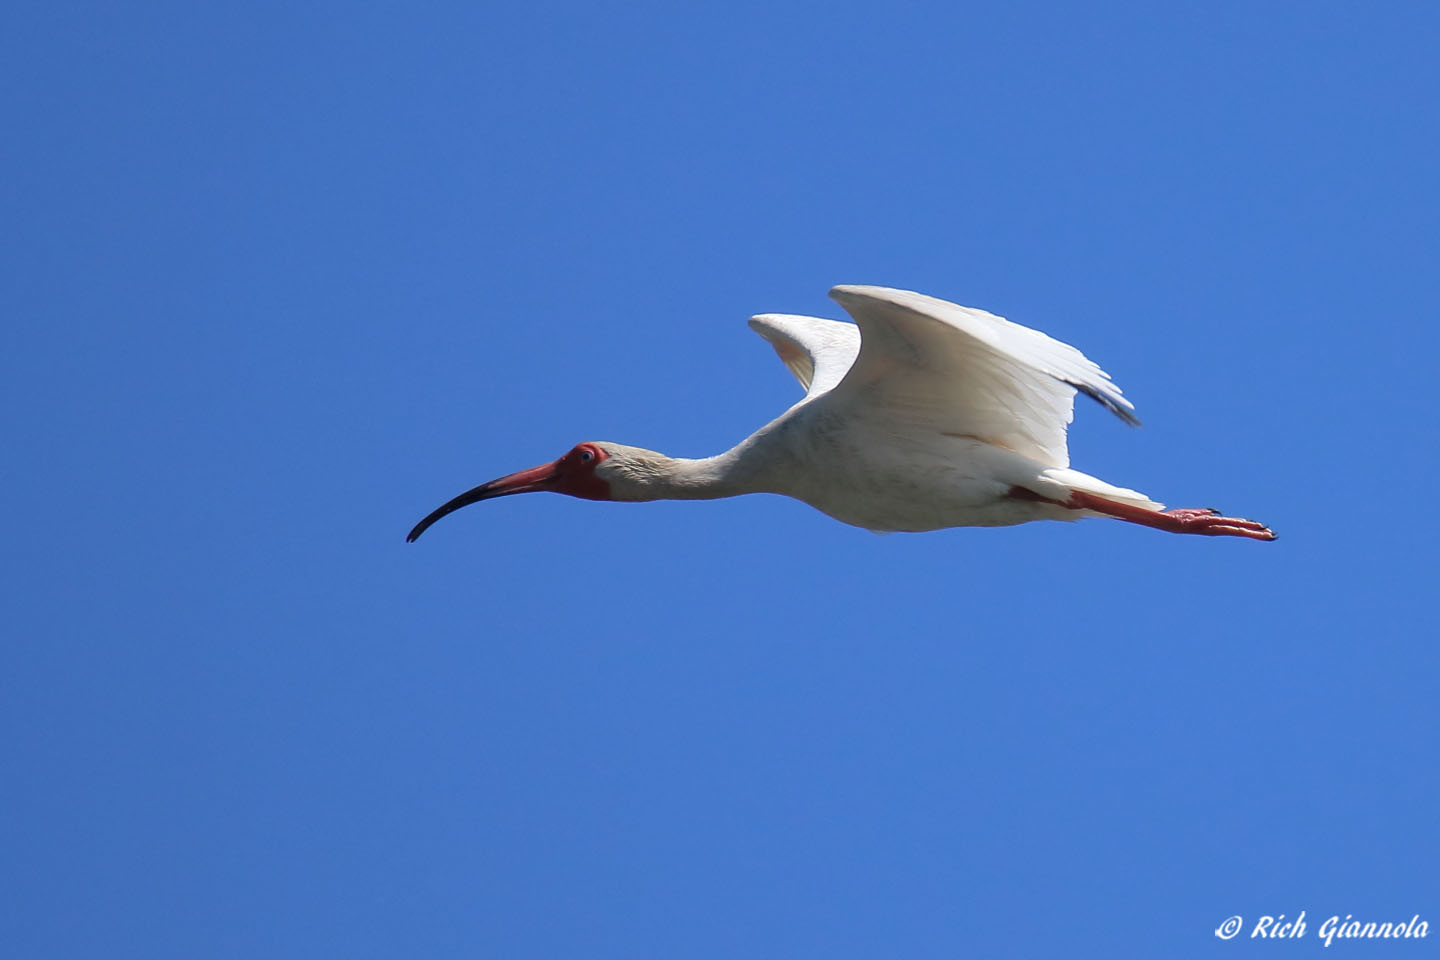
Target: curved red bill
{"points": [[543, 477]]}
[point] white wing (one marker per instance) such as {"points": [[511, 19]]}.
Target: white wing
{"points": [[817, 351], [969, 373]]}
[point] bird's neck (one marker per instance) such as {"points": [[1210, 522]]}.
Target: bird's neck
{"points": [[708, 478], [658, 477]]}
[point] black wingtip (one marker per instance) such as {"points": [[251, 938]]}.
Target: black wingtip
{"points": [[1120, 410]]}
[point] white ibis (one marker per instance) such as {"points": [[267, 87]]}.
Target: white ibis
{"points": [[920, 415]]}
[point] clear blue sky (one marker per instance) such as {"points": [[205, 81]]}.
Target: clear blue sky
{"points": [[278, 279]]}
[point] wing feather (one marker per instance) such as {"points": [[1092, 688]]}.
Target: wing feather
{"points": [[970, 373], [818, 352]]}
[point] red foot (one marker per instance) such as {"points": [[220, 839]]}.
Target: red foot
{"points": [[1203, 521], [1189, 512]]}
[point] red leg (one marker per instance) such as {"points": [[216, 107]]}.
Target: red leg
{"points": [[1205, 522]]}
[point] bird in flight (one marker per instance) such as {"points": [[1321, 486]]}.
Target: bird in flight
{"points": [[922, 414]]}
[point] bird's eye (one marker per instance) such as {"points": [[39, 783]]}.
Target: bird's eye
{"points": [[586, 456]]}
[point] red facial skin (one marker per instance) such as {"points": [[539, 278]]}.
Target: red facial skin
{"points": [[573, 475]]}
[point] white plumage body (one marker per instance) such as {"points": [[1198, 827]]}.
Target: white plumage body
{"points": [[867, 475]]}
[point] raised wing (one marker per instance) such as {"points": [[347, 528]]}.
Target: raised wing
{"points": [[970, 373], [818, 352]]}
